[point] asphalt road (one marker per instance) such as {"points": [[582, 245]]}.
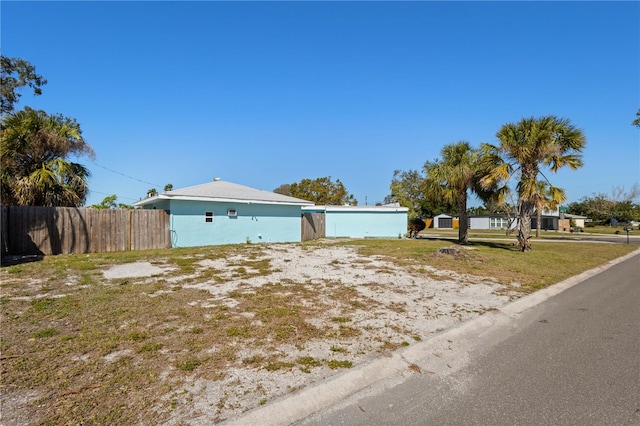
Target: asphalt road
{"points": [[573, 359], [623, 238]]}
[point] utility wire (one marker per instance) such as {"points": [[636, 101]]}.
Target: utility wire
{"points": [[127, 176]]}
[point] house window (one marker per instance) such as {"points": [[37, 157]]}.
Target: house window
{"points": [[208, 217], [498, 223]]}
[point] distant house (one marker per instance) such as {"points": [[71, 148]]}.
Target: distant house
{"points": [[444, 221], [490, 221], [577, 219], [388, 221], [550, 221], [222, 212]]}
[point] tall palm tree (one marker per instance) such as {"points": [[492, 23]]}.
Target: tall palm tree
{"points": [[450, 179], [528, 147], [34, 151]]}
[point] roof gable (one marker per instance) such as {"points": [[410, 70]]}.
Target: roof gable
{"points": [[219, 190]]}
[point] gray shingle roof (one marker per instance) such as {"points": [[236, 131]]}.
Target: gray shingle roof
{"points": [[219, 190]]}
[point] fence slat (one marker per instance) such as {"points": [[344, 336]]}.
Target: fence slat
{"points": [[57, 230]]}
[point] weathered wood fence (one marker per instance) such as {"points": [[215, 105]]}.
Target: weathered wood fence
{"points": [[313, 226], [66, 230]]}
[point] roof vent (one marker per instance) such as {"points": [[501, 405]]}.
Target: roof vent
{"points": [[217, 179]]}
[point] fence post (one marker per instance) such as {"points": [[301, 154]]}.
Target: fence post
{"points": [[128, 230]]}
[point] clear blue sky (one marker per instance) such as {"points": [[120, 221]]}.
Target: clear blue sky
{"points": [[267, 93]]}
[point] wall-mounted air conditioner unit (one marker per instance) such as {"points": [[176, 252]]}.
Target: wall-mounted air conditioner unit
{"points": [[232, 213]]}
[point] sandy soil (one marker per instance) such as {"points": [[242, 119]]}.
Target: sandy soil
{"points": [[408, 307]]}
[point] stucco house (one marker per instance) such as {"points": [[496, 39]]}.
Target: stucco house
{"points": [[386, 221], [221, 212]]}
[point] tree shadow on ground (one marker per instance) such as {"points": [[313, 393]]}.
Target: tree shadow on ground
{"points": [[495, 245], [501, 245], [19, 259]]}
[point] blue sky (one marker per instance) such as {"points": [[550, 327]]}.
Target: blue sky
{"points": [[267, 93]]}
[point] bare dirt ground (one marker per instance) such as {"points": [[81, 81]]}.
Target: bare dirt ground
{"points": [[375, 307], [404, 308]]}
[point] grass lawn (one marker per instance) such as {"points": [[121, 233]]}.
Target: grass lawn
{"points": [[79, 348]]}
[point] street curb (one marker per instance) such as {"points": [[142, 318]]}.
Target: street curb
{"points": [[387, 372]]}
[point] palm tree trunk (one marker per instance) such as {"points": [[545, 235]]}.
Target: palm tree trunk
{"points": [[527, 202], [524, 227], [538, 221], [463, 219]]}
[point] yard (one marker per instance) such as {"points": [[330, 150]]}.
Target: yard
{"points": [[179, 335]]}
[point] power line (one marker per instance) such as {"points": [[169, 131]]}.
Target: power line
{"points": [[127, 176]]}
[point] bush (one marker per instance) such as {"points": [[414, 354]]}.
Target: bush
{"points": [[415, 225]]}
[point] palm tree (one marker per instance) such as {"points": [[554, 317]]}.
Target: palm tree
{"points": [[527, 147], [34, 147], [546, 197], [460, 170]]}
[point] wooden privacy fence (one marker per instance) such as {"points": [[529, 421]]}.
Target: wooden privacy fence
{"points": [[66, 230], [313, 226]]}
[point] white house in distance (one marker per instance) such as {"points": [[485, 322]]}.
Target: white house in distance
{"points": [[550, 221], [578, 220], [490, 221]]}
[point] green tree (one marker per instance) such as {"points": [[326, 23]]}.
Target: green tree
{"points": [[322, 191], [284, 189], [459, 171], [479, 210], [109, 202], [599, 208], [16, 73], [525, 149], [152, 192], [602, 208], [636, 122], [34, 153], [408, 188], [168, 187]]}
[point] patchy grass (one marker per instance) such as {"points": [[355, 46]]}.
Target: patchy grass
{"points": [[335, 364], [546, 264], [92, 350], [618, 229]]}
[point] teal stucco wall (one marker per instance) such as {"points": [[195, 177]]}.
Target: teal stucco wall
{"points": [[366, 224], [363, 222], [269, 223]]}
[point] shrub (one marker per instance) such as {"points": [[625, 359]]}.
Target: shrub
{"points": [[416, 225]]}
